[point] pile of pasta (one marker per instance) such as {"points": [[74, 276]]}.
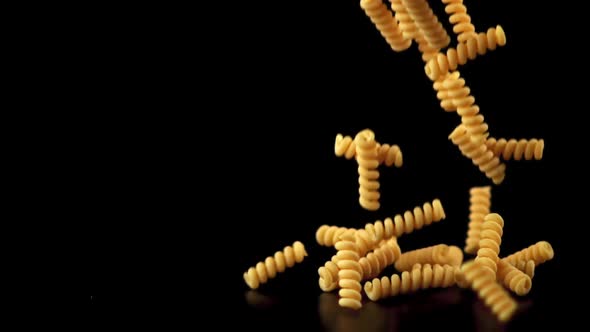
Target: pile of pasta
{"points": [[362, 254]]}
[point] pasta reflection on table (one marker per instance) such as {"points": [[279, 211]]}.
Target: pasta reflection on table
{"points": [[259, 301]]}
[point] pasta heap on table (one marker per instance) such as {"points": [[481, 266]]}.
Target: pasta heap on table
{"points": [[362, 254]]}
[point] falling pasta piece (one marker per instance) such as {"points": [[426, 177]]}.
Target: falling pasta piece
{"points": [[263, 271]]}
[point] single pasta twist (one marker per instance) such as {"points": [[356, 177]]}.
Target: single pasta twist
{"points": [[366, 152], [489, 243], [488, 289], [525, 266], [378, 260], [329, 235], [479, 154], [329, 275], [350, 274], [437, 254], [383, 19], [460, 20], [420, 277], [427, 22], [539, 253], [465, 104], [386, 154], [263, 271], [425, 215], [513, 278], [466, 50], [513, 149], [480, 203], [442, 93]]}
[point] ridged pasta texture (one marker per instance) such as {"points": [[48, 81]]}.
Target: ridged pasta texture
{"points": [[437, 254], [263, 271], [479, 207], [384, 21], [367, 158], [390, 155], [517, 149], [513, 278], [539, 253], [350, 274], [460, 20], [328, 235], [427, 23], [489, 243]]}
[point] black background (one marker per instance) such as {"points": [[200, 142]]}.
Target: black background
{"points": [[287, 77]]}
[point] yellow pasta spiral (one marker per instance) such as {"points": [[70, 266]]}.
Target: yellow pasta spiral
{"points": [[377, 11], [329, 235], [539, 252], [416, 219], [437, 254], [513, 149], [460, 20], [480, 202], [329, 275], [367, 158], [386, 154], [488, 289], [420, 277], [427, 22], [479, 154], [465, 104], [526, 266], [385, 255], [467, 50], [442, 93], [513, 278], [405, 21], [263, 271], [350, 274], [489, 243]]}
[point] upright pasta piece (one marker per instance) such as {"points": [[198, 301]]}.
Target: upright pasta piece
{"points": [[377, 11], [517, 149], [350, 273], [263, 271], [539, 253], [489, 243], [437, 254], [468, 50], [427, 23], [460, 20], [366, 151], [488, 289], [420, 277], [328, 235], [480, 203], [513, 279], [479, 154], [386, 154], [411, 220]]}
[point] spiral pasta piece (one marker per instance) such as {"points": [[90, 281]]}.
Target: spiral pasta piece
{"points": [[539, 253], [525, 266], [350, 274], [480, 203], [386, 154], [479, 154], [513, 278], [263, 271], [366, 152], [517, 149], [328, 235], [383, 19], [442, 93], [489, 243], [437, 254], [466, 50], [462, 99], [405, 21], [488, 289], [375, 262], [460, 20], [411, 220], [427, 22], [420, 277]]}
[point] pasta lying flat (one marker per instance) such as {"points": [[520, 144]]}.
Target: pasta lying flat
{"points": [[437, 254], [385, 255], [384, 21], [517, 149], [480, 202], [539, 253], [328, 235], [263, 271], [489, 243]]}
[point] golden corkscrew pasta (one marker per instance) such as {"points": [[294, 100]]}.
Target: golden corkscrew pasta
{"points": [[513, 149], [479, 154], [489, 243], [420, 277], [385, 255], [350, 274], [329, 235], [469, 49], [366, 152], [405, 21], [460, 20], [480, 203], [525, 266], [539, 253], [437, 254], [420, 216], [377, 11], [427, 23], [513, 278], [442, 93], [387, 154], [488, 289], [263, 271]]}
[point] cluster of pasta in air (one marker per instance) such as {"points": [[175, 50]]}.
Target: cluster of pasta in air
{"points": [[363, 254]]}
